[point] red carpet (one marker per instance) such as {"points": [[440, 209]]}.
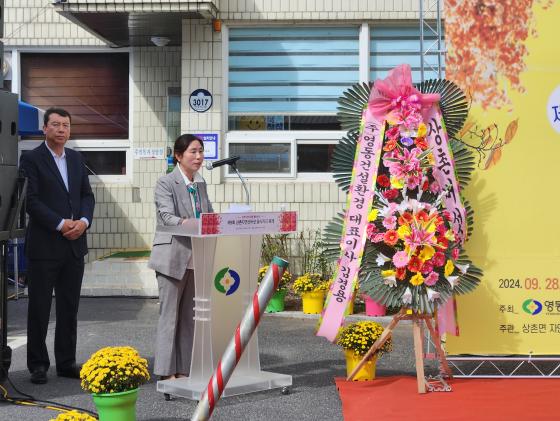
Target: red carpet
{"points": [[396, 399]]}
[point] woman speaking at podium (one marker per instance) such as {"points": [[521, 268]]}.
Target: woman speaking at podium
{"points": [[179, 195]]}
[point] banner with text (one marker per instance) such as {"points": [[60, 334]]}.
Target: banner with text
{"points": [[504, 55]]}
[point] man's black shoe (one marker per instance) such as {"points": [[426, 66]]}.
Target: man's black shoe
{"points": [[39, 376], [72, 372]]}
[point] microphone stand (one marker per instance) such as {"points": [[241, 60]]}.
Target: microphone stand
{"points": [[248, 202]]}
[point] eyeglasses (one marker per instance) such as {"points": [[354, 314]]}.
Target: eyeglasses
{"points": [[56, 125]]}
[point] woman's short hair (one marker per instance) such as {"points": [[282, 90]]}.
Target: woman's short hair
{"points": [[182, 143]]}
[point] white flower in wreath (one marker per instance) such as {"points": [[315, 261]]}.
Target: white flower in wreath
{"points": [[404, 206], [390, 281], [407, 296], [462, 268], [381, 259], [432, 295], [453, 280]]}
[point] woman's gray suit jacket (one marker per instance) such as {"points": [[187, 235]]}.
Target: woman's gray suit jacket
{"points": [[171, 254]]}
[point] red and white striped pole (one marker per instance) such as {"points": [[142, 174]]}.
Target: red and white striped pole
{"points": [[237, 344]]}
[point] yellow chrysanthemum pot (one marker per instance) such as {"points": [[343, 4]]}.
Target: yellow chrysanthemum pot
{"points": [[313, 302], [367, 372], [116, 406]]}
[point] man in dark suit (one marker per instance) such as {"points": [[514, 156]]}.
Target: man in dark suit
{"points": [[60, 206]]}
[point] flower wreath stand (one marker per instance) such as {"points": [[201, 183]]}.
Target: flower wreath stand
{"points": [[403, 230], [417, 321]]}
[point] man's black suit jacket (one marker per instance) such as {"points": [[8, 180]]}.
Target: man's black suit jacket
{"points": [[48, 202]]}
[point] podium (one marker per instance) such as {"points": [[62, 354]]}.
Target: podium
{"points": [[226, 253]]}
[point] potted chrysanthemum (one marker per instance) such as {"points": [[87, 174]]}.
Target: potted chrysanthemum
{"points": [[73, 416], [112, 375], [312, 289], [276, 302], [356, 339]]}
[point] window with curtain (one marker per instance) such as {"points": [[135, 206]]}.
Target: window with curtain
{"points": [[288, 79], [398, 44]]}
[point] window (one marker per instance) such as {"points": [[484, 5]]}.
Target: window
{"points": [[290, 71], [287, 80], [94, 88], [284, 84], [6, 71], [394, 45], [314, 158], [105, 162], [275, 157]]}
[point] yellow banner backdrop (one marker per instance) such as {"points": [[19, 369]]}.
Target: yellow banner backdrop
{"points": [[504, 54]]}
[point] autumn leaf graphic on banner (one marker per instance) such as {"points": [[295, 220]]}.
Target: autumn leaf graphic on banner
{"points": [[486, 46], [487, 141]]}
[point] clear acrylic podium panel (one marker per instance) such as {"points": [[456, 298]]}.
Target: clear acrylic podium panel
{"points": [[217, 316]]}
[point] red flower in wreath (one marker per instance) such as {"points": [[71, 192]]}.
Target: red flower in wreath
{"points": [[422, 216], [400, 273], [391, 194], [414, 264], [438, 259], [390, 145], [383, 181], [405, 219], [421, 143], [391, 237]]}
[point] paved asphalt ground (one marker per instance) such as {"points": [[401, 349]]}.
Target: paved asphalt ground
{"points": [[287, 345]]}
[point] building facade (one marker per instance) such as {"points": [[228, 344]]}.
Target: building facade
{"points": [[274, 70]]}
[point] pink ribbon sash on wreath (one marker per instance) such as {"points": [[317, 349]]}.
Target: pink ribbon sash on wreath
{"points": [[358, 204], [444, 171], [386, 95]]}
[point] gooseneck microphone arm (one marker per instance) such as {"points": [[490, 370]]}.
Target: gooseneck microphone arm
{"points": [[231, 162], [248, 201]]}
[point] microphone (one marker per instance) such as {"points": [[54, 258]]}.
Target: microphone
{"points": [[226, 161]]}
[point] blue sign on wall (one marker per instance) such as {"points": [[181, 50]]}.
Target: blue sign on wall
{"points": [[210, 144]]}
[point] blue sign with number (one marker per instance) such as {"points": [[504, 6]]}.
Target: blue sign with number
{"points": [[200, 100]]}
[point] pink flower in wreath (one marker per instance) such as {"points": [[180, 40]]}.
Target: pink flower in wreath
{"points": [[455, 253], [413, 181], [431, 279], [371, 230], [400, 259], [390, 222], [393, 132], [378, 238], [434, 187]]}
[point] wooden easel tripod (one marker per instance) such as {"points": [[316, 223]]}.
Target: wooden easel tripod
{"points": [[417, 320]]}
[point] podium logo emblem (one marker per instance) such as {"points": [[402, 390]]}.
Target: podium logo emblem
{"points": [[227, 281]]}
